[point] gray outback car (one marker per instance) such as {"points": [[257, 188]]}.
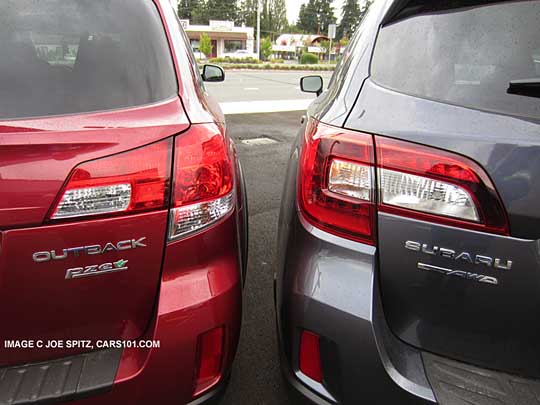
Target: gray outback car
{"points": [[408, 265]]}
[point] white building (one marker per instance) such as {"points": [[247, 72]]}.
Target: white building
{"points": [[227, 40]]}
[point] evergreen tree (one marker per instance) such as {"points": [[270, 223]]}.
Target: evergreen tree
{"points": [[350, 19], [225, 10], [315, 16], [247, 14], [192, 10], [280, 22]]}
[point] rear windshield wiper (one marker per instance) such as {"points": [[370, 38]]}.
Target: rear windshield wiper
{"points": [[525, 87]]}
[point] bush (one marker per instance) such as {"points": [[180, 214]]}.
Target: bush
{"points": [[309, 59], [229, 59], [277, 60], [267, 66]]}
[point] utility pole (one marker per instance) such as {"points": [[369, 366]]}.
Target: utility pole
{"points": [[258, 29], [331, 35]]}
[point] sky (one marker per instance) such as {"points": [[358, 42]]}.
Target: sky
{"points": [[293, 8]]}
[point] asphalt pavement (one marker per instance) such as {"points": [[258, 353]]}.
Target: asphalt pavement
{"points": [[256, 377], [253, 85]]}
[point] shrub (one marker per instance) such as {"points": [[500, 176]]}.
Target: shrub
{"points": [[229, 59], [309, 59], [205, 44]]}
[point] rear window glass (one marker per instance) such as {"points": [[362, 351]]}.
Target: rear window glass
{"points": [[464, 56], [75, 56]]}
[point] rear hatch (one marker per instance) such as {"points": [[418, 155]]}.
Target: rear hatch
{"points": [[85, 103], [449, 91]]}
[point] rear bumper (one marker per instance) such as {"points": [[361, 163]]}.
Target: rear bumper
{"points": [[200, 290], [327, 285]]}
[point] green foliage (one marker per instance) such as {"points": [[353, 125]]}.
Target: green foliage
{"points": [[248, 13], [309, 59], [225, 10], [266, 48], [352, 15], [315, 16], [269, 66], [228, 59], [193, 10], [205, 44], [325, 45]]}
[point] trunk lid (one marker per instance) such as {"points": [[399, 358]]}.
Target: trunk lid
{"points": [[36, 300], [451, 93]]}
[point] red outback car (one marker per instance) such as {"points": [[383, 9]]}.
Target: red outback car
{"points": [[122, 209]]}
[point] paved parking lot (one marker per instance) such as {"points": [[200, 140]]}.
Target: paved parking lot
{"points": [[256, 376], [246, 85]]}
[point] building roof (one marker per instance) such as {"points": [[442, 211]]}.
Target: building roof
{"points": [[218, 30], [299, 39]]}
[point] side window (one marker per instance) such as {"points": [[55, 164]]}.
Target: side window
{"points": [[343, 65], [189, 53]]}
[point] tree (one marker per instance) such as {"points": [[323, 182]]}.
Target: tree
{"points": [[205, 44], [350, 19], [316, 16], [266, 48], [193, 10], [273, 17], [307, 18], [247, 14], [225, 10], [280, 22]]}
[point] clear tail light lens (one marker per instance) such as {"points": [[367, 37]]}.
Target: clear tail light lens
{"points": [[338, 191], [203, 186], [427, 195], [127, 183]]}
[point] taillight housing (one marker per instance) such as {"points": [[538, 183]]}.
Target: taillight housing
{"points": [[336, 181], [203, 180], [346, 176], [434, 185], [140, 180], [127, 183]]}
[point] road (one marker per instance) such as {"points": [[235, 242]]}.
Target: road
{"points": [[261, 85], [256, 377]]}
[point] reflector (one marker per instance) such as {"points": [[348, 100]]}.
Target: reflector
{"points": [[310, 356], [209, 359]]}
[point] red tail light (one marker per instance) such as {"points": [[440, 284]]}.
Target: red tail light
{"points": [[126, 183], [336, 181], [209, 359], [337, 190], [203, 180], [434, 185], [310, 356]]}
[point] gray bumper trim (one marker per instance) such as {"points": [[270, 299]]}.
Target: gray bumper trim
{"points": [[462, 384], [59, 380]]}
